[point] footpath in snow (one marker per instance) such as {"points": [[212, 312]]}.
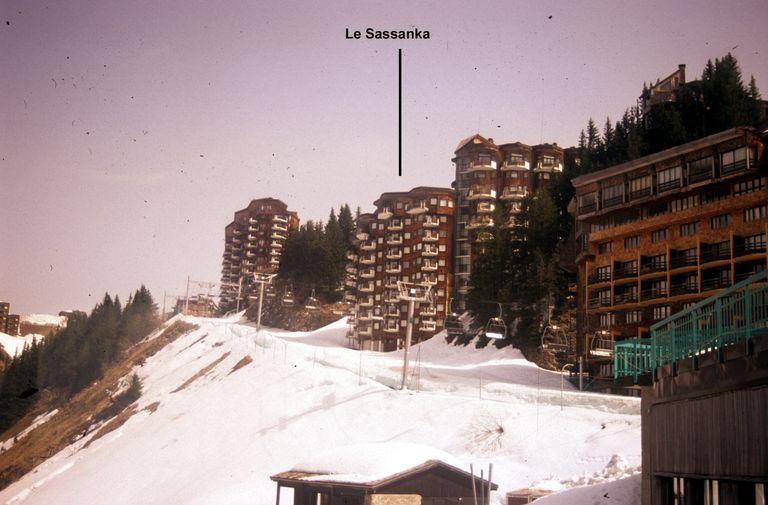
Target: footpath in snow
{"points": [[218, 438]]}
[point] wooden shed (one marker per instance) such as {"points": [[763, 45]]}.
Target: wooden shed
{"points": [[432, 482]]}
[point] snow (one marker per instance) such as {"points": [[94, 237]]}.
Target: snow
{"points": [[15, 345], [364, 463], [624, 491], [219, 439], [44, 320], [39, 420]]}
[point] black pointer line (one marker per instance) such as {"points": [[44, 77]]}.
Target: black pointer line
{"points": [[400, 112]]}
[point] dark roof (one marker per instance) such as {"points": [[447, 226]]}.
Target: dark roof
{"points": [[477, 136], [413, 193], [661, 155], [298, 477]]}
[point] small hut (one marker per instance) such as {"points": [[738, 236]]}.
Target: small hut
{"points": [[383, 474]]}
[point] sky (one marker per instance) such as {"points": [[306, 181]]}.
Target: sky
{"points": [[130, 132]]}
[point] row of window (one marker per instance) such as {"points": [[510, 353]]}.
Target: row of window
{"points": [[669, 178], [408, 221]]}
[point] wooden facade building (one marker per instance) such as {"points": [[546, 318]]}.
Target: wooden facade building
{"points": [[662, 232]]}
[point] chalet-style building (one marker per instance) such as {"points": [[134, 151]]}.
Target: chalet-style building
{"points": [[490, 176], [407, 238], [253, 243], [663, 91], [662, 232]]}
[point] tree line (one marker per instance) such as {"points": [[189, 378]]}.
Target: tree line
{"points": [[73, 357]]}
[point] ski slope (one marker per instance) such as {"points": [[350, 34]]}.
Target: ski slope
{"points": [[218, 439], [15, 345]]}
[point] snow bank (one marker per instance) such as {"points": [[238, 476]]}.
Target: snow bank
{"points": [[15, 345], [44, 320], [39, 420], [624, 492], [362, 463]]}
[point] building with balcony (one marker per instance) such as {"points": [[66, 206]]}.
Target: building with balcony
{"points": [[407, 238], [13, 326], [253, 243], [5, 308], [488, 178], [662, 232]]}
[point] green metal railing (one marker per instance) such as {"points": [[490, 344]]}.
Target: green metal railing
{"points": [[734, 315]]}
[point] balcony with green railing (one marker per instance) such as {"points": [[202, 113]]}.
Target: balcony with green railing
{"points": [[734, 315]]}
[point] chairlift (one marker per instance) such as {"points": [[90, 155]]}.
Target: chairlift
{"points": [[270, 292], [553, 338], [288, 300], [312, 303], [453, 324], [496, 328]]}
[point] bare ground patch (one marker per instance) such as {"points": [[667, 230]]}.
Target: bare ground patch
{"points": [[240, 364], [203, 371]]}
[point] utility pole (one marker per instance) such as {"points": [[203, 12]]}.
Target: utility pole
{"points": [[186, 299], [412, 293], [262, 280]]}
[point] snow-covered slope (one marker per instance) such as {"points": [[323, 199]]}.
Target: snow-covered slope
{"points": [[218, 438], [44, 320], [14, 345]]}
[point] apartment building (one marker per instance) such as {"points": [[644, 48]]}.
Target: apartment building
{"points": [[665, 231], [13, 326], [5, 308], [490, 177], [407, 238], [253, 243]]}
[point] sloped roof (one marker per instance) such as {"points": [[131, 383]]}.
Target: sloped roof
{"points": [[477, 139]]}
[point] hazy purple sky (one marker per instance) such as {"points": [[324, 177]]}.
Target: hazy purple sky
{"points": [[132, 130]]}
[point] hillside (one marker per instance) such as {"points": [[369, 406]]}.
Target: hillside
{"points": [[223, 408]]}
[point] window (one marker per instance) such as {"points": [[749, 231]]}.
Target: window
{"points": [[754, 244], [744, 187], [632, 242], [607, 320], [754, 213], [433, 201], [605, 247], [640, 186], [720, 221], [634, 316], [613, 195], [658, 236], [604, 273], [669, 178], [738, 159], [548, 161], [587, 203], [688, 202], [661, 312], [700, 170], [515, 159], [714, 196], [688, 229]]}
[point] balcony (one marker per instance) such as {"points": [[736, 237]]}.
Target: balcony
{"points": [[351, 256], [274, 261], [430, 280], [253, 220], [274, 252], [393, 268], [249, 254], [384, 214], [597, 278], [429, 251], [602, 301], [279, 219], [746, 249], [276, 244], [253, 229], [640, 193], [394, 254], [699, 175], [712, 254], [391, 297], [515, 164], [418, 208], [548, 166], [391, 328], [350, 282], [669, 185], [513, 192], [690, 260], [368, 260], [683, 289], [428, 325], [485, 207], [279, 227], [366, 331], [392, 312], [613, 201], [394, 239], [367, 273], [715, 283], [391, 283], [361, 235], [624, 298], [480, 222], [428, 311], [479, 166], [653, 267], [625, 272], [365, 316], [730, 168], [653, 293], [430, 236], [485, 236], [252, 238], [478, 192], [431, 222], [366, 302], [369, 245], [395, 225], [587, 208], [277, 236], [429, 266]]}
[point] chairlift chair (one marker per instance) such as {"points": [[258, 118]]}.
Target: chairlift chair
{"points": [[312, 303], [553, 338], [453, 324], [288, 300], [496, 328]]}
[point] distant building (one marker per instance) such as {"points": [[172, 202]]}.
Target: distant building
{"points": [[253, 242], [407, 238], [664, 91], [489, 176], [5, 307], [662, 232], [200, 306], [12, 326]]}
